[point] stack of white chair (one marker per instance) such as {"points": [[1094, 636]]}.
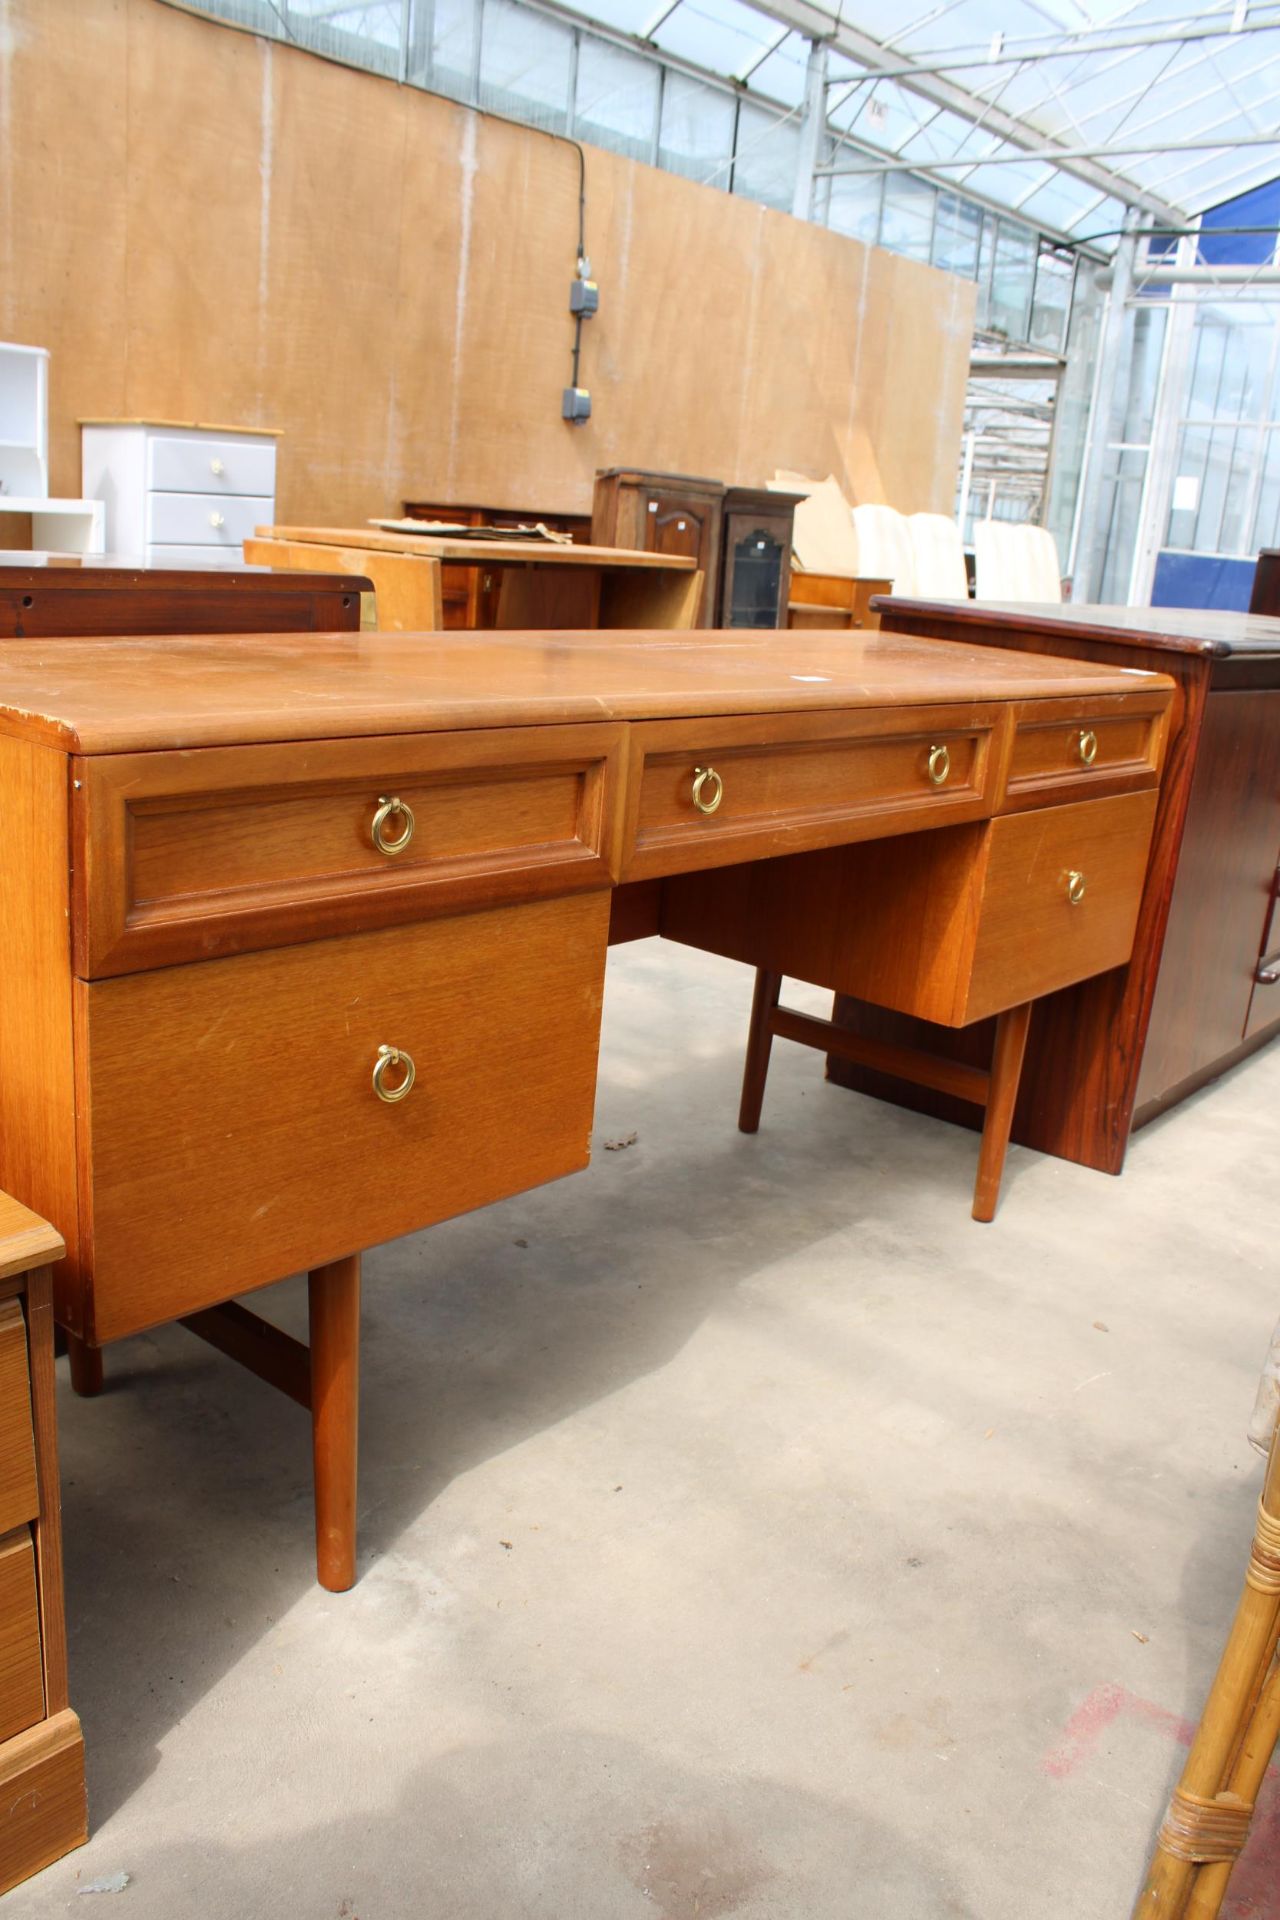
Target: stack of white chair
{"points": [[1015, 562]]}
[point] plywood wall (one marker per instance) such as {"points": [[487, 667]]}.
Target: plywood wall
{"points": [[204, 225]]}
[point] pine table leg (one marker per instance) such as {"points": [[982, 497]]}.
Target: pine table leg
{"points": [[334, 1296]]}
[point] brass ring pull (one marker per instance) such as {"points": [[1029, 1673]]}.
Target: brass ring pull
{"points": [[939, 765], [1087, 747], [388, 807], [388, 1059], [708, 789], [1075, 887]]}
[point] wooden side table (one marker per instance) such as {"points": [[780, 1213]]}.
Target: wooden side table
{"points": [[42, 1798]]}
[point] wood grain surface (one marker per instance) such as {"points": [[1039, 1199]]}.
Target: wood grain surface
{"points": [[120, 696], [21, 1674], [233, 1135], [19, 1487]]}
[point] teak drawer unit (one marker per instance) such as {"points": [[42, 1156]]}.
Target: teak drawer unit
{"points": [[1071, 748], [42, 1796], [968, 921], [708, 793]]}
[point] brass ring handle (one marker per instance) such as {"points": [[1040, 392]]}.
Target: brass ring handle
{"points": [[1087, 746], [388, 1059], [1075, 887], [708, 789], [939, 765], [388, 806]]}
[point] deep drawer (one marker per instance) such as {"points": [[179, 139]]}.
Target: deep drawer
{"points": [[182, 856], [711, 793], [21, 1666], [234, 1134]]}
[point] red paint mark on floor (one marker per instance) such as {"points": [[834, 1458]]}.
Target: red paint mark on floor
{"points": [[1100, 1710], [1255, 1885], [1254, 1893]]}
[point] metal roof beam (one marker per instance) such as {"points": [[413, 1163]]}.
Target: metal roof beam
{"points": [[818, 24]]}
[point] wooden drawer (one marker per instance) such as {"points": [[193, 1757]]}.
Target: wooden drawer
{"points": [[948, 926], [21, 1667], [1069, 748], [199, 463], [1039, 928], [233, 1132], [205, 519], [809, 780], [19, 1493], [185, 856]]}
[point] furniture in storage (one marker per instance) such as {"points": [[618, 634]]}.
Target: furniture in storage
{"points": [[469, 594], [755, 563], [672, 513], [1200, 990], [383, 873], [523, 583], [177, 490], [829, 600], [44, 594], [76, 525], [42, 1794]]}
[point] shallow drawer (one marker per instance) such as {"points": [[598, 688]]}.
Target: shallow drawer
{"points": [[205, 519], [21, 1667], [181, 856], [19, 1493], [191, 463], [1065, 748], [710, 793], [235, 1134]]}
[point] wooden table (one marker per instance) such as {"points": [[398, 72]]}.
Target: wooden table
{"points": [[42, 594], [304, 936], [1201, 990], [522, 584]]}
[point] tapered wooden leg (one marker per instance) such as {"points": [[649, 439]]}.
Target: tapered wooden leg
{"points": [[1002, 1094], [86, 1367], [334, 1293], [759, 1044]]}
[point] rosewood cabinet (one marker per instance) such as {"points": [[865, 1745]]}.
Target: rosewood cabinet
{"points": [[1198, 993], [673, 513]]}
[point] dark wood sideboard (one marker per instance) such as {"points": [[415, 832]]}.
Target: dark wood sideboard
{"points": [[43, 595], [1202, 989]]}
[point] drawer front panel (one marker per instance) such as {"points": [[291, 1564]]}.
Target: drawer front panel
{"points": [[205, 519], [189, 463], [811, 781], [1070, 749], [185, 856], [21, 1667], [19, 1492], [235, 1135], [1039, 928]]}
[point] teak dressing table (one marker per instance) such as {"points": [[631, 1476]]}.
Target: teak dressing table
{"points": [[302, 937]]}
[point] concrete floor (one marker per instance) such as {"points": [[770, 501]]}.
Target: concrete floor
{"points": [[744, 1531]]}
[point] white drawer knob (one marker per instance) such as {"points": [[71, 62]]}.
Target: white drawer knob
{"points": [[216, 520], [216, 466]]}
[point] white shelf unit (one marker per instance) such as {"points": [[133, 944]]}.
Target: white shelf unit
{"points": [[69, 526], [179, 493]]}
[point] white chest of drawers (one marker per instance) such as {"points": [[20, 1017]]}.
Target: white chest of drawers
{"points": [[179, 493]]}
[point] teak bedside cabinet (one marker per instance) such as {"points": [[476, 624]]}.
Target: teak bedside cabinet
{"points": [[42, 1797], [305, 934]]}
